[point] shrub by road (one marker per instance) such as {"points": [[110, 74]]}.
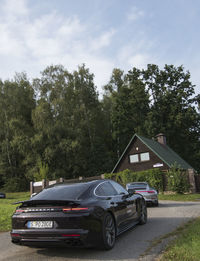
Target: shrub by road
{"points": [[186, 246], [7, 209]]}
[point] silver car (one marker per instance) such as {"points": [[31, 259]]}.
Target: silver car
{"points": [[150, 194]]}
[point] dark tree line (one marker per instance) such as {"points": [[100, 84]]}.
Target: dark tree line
{"points": [[57, 126]]}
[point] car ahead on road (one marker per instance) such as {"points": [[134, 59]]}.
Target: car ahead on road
{"points": [[150, 194], [80, 214], [2, 195]]}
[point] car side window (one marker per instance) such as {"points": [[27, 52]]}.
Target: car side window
{"points": [[105, 189], [118, 188], [99, 191]]}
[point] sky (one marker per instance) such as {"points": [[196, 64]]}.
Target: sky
{"points": [[103, 34]]}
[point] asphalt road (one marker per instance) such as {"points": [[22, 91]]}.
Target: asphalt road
{"points": [[129, 246]]}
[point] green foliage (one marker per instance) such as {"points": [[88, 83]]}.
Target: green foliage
{"points": [[16, 104], [173, 111], [58, 119], [129, 106], [68, 121], [16, 184], [43, 171], [177, 180], [186, 246], [179, 197], [7, 209], [153, 176]]}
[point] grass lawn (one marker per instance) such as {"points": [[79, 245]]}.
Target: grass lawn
{"points": [[179, 197], [7, 209], [186, 246]]}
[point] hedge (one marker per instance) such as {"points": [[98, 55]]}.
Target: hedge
{"points": [[178, 180], [153, 176]]}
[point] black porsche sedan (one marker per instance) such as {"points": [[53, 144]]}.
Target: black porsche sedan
{"points": [[80, 214]]}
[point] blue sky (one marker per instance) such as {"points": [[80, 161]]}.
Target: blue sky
{"points": [[103, 34]]}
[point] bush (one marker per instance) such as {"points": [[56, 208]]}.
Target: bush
{"points": [[16, 185], [177, 180], [43, 171], [153, 176]]}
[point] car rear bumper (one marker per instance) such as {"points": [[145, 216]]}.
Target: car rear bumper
{"points": [[44, 238], [151, 201]]}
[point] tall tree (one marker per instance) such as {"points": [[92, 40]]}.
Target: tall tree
{"points": [[173, 110], [16, 104], [129, 106], [68, 122]]}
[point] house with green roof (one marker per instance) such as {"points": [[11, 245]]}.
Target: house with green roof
{"points": [[142, 154]]}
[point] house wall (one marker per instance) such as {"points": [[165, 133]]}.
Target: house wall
{"points": [[139, 166]]}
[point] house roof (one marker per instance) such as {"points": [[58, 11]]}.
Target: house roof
{"points": [[164, 152]]}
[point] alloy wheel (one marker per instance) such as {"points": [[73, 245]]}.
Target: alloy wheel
{"points": [[143, 215], [109, 231]]}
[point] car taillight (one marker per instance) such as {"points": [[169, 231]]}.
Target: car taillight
{"points": [[15, 235], [19, 211], [53, 209], [150, 191], [74, 209]]}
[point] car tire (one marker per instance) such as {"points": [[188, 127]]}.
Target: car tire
{"points": [[143, 213], [109, 232], [156, 204]]}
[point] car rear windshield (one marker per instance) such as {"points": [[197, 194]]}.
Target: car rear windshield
{"points": [[62, 192], [139, 186]]}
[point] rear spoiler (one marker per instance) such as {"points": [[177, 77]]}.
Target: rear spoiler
{"points": [[42, 202]]}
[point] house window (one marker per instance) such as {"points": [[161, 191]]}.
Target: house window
{"points": [[134, 158], [144, 156], [139, 157]]}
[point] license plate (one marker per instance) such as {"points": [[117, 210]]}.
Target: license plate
{"points": [[40, 224]]}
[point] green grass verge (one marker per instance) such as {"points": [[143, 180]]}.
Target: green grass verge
{"points": [[180, 197], [7, 209], [186, 246]]}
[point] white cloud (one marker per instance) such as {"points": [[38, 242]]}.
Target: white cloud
{"points": [[31, 44], [135, 14], [103, 40], [139, 60], [14, 8], [137, 53]]}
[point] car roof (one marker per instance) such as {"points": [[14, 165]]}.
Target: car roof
{"points": [[92, 182], [134, 183]]}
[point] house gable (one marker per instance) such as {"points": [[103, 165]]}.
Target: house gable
{"points": [[159, 156], [165, 153]]}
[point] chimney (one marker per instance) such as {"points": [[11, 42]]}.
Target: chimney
{"points": [[161, 139]]}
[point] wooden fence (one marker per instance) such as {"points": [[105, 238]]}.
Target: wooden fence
{"points": [[38, 186]]}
